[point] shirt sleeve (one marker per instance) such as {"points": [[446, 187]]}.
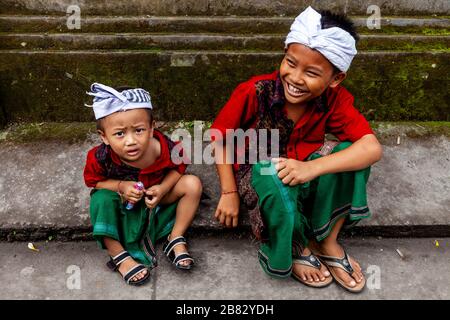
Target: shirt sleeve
{"points": [[93, 171], [346, 122], [181, 168], [238, 112]]}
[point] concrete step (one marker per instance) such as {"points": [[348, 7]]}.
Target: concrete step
{"points": [[219, 7], [204, 42], [50, 85], [42, 192], [218, 24]]}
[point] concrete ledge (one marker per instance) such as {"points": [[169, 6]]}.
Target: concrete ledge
{"points": [[219, 7], [42, 192]]}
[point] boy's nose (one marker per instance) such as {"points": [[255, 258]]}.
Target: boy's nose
{"points": [[297, 78], [130, 140]]}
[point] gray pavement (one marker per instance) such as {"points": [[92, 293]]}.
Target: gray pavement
{"points": [[227, 268]]}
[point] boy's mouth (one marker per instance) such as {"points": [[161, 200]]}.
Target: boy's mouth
{"points": [[295, 91], [133, 152]]}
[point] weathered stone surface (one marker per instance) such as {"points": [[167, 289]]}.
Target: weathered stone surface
{"points": [[42, 189], [204, 42], [50, 86], [221, 7], [210, 25]]}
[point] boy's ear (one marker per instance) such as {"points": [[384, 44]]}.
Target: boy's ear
{"points": [[103, 137], [337, 79]]}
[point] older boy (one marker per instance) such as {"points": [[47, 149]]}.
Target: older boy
{"points": [[302, 206]]}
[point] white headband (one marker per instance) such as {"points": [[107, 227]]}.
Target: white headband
{"points": [[336, 44], [108, 100]]}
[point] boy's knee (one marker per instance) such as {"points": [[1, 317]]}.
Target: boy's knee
{"points": [[191, 184]]}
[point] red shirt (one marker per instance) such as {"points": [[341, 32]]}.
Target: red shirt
{"points": [[261, 95], [103, 163]]}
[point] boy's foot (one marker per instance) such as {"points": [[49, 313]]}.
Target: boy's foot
{"points": [[179, 249], [127, 265], [333, 249], [310, 274]]}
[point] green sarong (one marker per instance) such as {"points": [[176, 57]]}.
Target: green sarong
{"points": [[306, 211], [137, 229]]}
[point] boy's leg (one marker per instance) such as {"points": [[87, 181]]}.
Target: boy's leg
{"points": [[337, 199], [284, 219], [187, 191], [330, 247], [105, 212], [278, 205], [114, 247]]}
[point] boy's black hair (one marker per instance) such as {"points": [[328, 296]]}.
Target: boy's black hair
{"points": [[330, 19], [120, 89]]}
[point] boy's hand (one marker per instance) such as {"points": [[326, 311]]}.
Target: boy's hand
{"points": [[227, 211], [153, 195], [294, 172], [129, 192]]}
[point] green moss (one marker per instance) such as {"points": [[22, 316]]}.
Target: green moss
{"points": [[411, 129], [38, 87], [435, 31], [394, 30], [81, 131], [53, 131]]}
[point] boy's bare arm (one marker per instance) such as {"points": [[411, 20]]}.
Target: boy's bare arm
{"points": [[109, 184], [170, 180], [157, 192], [125, 188], [227, 211], [360, 155]]}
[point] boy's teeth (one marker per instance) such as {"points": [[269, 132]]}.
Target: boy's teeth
{"points": [[294, 89]]}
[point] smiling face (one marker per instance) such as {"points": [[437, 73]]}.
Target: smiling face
{"points": [[128, 133], [306, 73]]}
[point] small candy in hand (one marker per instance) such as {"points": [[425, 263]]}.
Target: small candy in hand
{"points": [[138, 186]]}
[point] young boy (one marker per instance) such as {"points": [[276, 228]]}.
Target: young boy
{"points": [[316, 186], [128, 221]]}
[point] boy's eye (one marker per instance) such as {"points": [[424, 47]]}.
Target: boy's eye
{"points": [[119, 134], [312, 74], [140, 130], [291, 63]]}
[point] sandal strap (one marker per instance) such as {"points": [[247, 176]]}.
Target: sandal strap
{"points": [[134, 271], [114, 262], [173, 243], [310, 261], [342, 263], [182, 257], [121, 257]]}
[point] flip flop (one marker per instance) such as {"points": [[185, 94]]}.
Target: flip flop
{"points": [[310, 261], [344, 264]]}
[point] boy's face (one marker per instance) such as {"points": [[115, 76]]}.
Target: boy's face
{"points": [[128, 133], [306, 73]]}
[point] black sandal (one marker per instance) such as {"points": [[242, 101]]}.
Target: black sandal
{"points": [[310, 261], [175, 260], [116, 261], [344, 264]]}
